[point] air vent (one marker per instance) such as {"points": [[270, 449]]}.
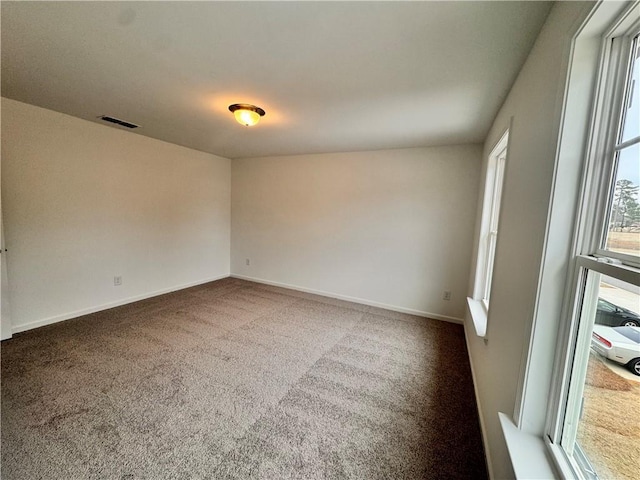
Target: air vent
{"points": [[118, 121]]}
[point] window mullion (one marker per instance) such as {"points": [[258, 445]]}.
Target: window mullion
{"points": [[627, 143], [601, 265], [580, 357]]}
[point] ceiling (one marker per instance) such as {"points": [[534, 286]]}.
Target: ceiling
{"points": [[332, 76]]}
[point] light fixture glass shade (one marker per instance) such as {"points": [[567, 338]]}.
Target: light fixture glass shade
{"points": [[246, 114], [247, 117]]}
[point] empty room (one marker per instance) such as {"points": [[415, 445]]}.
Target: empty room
{"points": [[320, 240]]}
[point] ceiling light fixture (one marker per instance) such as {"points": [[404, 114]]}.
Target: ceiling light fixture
{"points": [[246, 114]]}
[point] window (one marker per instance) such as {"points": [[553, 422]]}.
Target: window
{"points": [[594, 428], [479, 305]]}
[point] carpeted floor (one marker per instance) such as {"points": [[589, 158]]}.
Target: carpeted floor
{"points": [[236, 380]]}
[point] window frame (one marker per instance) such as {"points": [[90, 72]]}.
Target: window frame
{"points": [[489, 229], [588, 253], [489, 234], [616, 78]]}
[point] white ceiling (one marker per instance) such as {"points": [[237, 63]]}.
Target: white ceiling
{"points": [[332, 76]]}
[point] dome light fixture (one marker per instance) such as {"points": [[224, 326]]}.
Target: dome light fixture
{"points": [[247, 115]]}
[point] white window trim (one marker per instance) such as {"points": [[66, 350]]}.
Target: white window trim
{"points": [[488, 238], [536, 397], [528, 452], [573, 347]]}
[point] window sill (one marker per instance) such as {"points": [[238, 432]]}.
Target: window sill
{"points": [[528, 452], [478, 315]]}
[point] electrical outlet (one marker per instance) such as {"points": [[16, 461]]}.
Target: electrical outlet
{"points": [[446, 295], [247, 261], [117, 281]]}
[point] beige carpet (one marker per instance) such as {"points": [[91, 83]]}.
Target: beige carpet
{"points": [[236, 380]]}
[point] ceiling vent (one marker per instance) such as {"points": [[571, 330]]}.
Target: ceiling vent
{"points": [[118, 121]]}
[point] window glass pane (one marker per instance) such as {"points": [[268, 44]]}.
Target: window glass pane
{"points": [[631, 111], [497, 191], [491, 253], [623, 235], [490, 218], [608, 433]]}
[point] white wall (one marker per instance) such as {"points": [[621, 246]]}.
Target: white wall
{"points": [[390, 227], [5, 314], [83, 203], [533, 108]]}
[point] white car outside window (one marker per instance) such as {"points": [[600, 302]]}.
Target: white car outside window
{"points": [[619, 344]]}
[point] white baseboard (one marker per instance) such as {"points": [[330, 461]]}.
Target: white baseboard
{"points": [[86, 311], [105, 306], [483, 428], [347, 298]]}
